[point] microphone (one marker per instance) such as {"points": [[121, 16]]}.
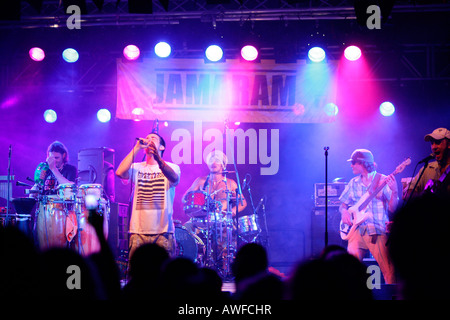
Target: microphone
{"points": [[23, 184], [246, 183], [141, 141], [206, 182], [427, 159], [261, 202], [226, 172]]}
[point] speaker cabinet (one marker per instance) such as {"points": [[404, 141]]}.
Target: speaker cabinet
{"points": [[118, 228], [318, 229], [96, 166]]}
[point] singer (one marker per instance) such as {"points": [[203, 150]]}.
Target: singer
{"points": [[154, 181], [435, 176]]}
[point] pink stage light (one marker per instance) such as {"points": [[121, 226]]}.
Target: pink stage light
{"points": [[131, 52], [352, 53], [249, 53], [36, 54]]}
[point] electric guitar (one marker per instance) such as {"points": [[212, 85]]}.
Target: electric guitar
{"points": [[357, 211]]}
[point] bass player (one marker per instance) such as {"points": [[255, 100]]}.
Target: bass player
{"points": [[371, 234]]}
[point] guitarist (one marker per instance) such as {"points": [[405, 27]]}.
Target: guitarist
{"points": [[435, 176], [371, 234]]}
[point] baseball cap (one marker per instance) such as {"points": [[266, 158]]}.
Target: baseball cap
{"points": [[362, 155], [438, 134]]}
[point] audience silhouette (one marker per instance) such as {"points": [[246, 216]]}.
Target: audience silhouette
{"points": [[418, 244], [336, 275], [28, 273], [252, 277], [19, 265], [145, 271]]}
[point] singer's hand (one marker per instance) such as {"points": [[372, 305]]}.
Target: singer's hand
{"points": [[142, 143], [152, 150]]}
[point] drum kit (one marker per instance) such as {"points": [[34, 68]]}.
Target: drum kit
{"points": [[61, 219], [210, 237]]}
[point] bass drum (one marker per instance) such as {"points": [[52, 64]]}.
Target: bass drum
{"points": [[188, 245]]}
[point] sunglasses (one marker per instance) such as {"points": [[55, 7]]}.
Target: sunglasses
{"points": [[355, 162]]}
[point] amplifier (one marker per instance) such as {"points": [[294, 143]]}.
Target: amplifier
{"points": [[335, 189], [118, 228]]}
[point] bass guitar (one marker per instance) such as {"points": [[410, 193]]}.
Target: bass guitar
{"points": [[358, 211]]}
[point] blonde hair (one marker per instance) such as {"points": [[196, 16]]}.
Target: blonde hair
{"points": [[219, 155]]}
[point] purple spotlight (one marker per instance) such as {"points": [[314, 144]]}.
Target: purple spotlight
{"points": [[352, 53], [131, 52], [36, 54]]}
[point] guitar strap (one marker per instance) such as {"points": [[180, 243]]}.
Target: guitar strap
{"points": [[374, 185]]}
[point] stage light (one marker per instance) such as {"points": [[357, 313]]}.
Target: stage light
{"points": [[137, 113], [214, 53], [249, 53], [36, 54], [331, 109], [103, 115], [131, 52], [316, 54], [50, 116], [70, 55], [163, 49], [166, 124], [352, 53], [387, 109]]}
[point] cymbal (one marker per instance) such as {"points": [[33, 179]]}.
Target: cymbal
{"points": [[225, 199]]}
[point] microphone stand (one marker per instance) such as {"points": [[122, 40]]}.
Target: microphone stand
{"points": [[417, 182], [326, 195], [239, 200], [8, 186]]}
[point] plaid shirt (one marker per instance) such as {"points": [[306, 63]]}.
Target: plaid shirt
{"points": [[378, 207]]}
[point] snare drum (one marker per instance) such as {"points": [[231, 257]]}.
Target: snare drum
{"points": [[56, 224], [248, 225], [67, 191], [213, 219], [188, 245]]}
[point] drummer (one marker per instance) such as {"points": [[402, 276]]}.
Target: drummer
{"points": [[216, 184], [55, 171]]}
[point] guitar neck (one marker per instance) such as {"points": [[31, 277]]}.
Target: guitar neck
{"points": [[370, 197]]}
